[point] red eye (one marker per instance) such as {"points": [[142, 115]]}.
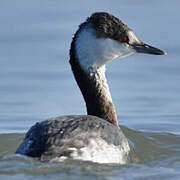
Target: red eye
{"points": [[123, 39]]}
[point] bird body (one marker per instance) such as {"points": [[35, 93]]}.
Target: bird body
{"points": [[82, 137]]}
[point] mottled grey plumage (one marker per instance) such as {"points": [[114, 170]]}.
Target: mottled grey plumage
{"points": [[53, 137]]}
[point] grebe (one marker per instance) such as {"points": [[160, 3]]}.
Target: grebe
{"points": [[97, 136]]}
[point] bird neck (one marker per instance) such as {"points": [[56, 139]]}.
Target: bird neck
{"points": [[95, 90]]}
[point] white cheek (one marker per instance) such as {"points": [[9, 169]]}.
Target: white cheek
{"points": [[93, 52]]}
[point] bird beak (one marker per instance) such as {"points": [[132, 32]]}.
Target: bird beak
{"points": [[140, 47], [147, 49]]}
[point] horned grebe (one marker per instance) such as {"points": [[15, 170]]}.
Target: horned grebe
{"points": [[97, 136]]}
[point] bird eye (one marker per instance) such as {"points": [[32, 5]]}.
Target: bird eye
{"points": [[124, 39]]}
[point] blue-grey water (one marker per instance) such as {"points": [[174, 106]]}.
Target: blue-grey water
{"points": [[36, 83]]}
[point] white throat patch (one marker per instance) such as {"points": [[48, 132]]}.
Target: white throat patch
{"points": [[93, 52]]}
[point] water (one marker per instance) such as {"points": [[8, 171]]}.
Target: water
{"points": [[36, 83]]}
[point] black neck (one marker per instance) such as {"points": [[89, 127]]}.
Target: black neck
{"points": [[93, 91]]}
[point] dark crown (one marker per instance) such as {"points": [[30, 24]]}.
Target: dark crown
{"points": [[108, 26]]}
